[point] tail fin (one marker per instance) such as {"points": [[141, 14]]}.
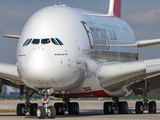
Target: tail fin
{"points": [[115, 8]]}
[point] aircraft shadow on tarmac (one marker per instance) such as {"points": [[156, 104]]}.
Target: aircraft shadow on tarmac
{"points": [[83, 113]]}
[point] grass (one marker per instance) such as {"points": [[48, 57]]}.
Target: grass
{"points": [[6, 111]]}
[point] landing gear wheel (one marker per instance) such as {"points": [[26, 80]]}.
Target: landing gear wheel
{"points": [[33, 109], [73, 108], [139, 107], [123, 107], [20, 109], [107, 108], [41, 112], [58, 107], [76, 108], [152, 107], [51, 112]]}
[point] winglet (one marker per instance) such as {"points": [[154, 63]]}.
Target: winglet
{"points": [[115, 8]]}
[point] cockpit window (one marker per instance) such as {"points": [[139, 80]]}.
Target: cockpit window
{"points": [[54, 41], [59, 41], [45, 41], [27, 42], [35, 41]]}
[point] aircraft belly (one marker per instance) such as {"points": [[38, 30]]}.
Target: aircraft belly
{"points": [[99, 93], [90, 88], [56, 77]]}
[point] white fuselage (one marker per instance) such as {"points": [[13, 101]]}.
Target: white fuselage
{"points": [[88, 41]]}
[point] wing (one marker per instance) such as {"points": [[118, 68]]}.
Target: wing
{"points": [[12, 36], [148, 43], [115, 76], [9, 76]]}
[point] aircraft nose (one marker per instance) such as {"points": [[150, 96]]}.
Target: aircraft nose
{"points": [[37, 66], [40, 69], [38, 61]]}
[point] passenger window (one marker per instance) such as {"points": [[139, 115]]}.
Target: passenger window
{"points": [[110, 34], [25, 42], [54, 41], [35, 41], [59, 41], [114, 35], [45, 41]]}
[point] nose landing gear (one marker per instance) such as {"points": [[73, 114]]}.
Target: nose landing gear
{"points": [[45, 110]]}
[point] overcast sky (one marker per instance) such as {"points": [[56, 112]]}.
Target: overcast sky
{"points": [[142, 15]]}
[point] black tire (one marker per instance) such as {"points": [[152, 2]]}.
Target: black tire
{"points": [[33, 109], [58, 107], [107, 108], [152, 107], [41, 112], [76, 108], [20, 109], [73, 108], [123, 107], [139, 109], [51, 112]]}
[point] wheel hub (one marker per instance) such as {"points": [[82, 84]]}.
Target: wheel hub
{"points": [[38, 113]]}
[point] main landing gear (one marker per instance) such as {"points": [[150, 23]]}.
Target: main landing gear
{"points": [[145, 105], [121, 107], [23, 108], [66, 105]]}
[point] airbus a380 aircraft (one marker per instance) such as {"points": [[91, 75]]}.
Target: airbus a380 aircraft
{"points": [[70, 53]]}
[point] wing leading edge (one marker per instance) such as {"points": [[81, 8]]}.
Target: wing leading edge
{"points": [[12, 36], [148, 43], [9, 76], [113, 74]]}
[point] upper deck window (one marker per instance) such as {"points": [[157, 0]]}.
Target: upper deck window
{"points": [[59, 41], [54, 41], [35, 41], [27, 42], [45, 41]]}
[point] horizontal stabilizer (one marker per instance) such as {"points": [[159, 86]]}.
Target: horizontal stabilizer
{"points": [[12, 36]]}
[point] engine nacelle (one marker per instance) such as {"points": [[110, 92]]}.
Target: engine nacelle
{"points": [[1, 87]]}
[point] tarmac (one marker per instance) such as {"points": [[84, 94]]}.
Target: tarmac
{"points": [[89, 110]]}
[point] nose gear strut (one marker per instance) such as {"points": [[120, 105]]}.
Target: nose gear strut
{"points": [[45, 110]]}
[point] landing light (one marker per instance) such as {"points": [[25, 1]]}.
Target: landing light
{"points": [[48, 90]]}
